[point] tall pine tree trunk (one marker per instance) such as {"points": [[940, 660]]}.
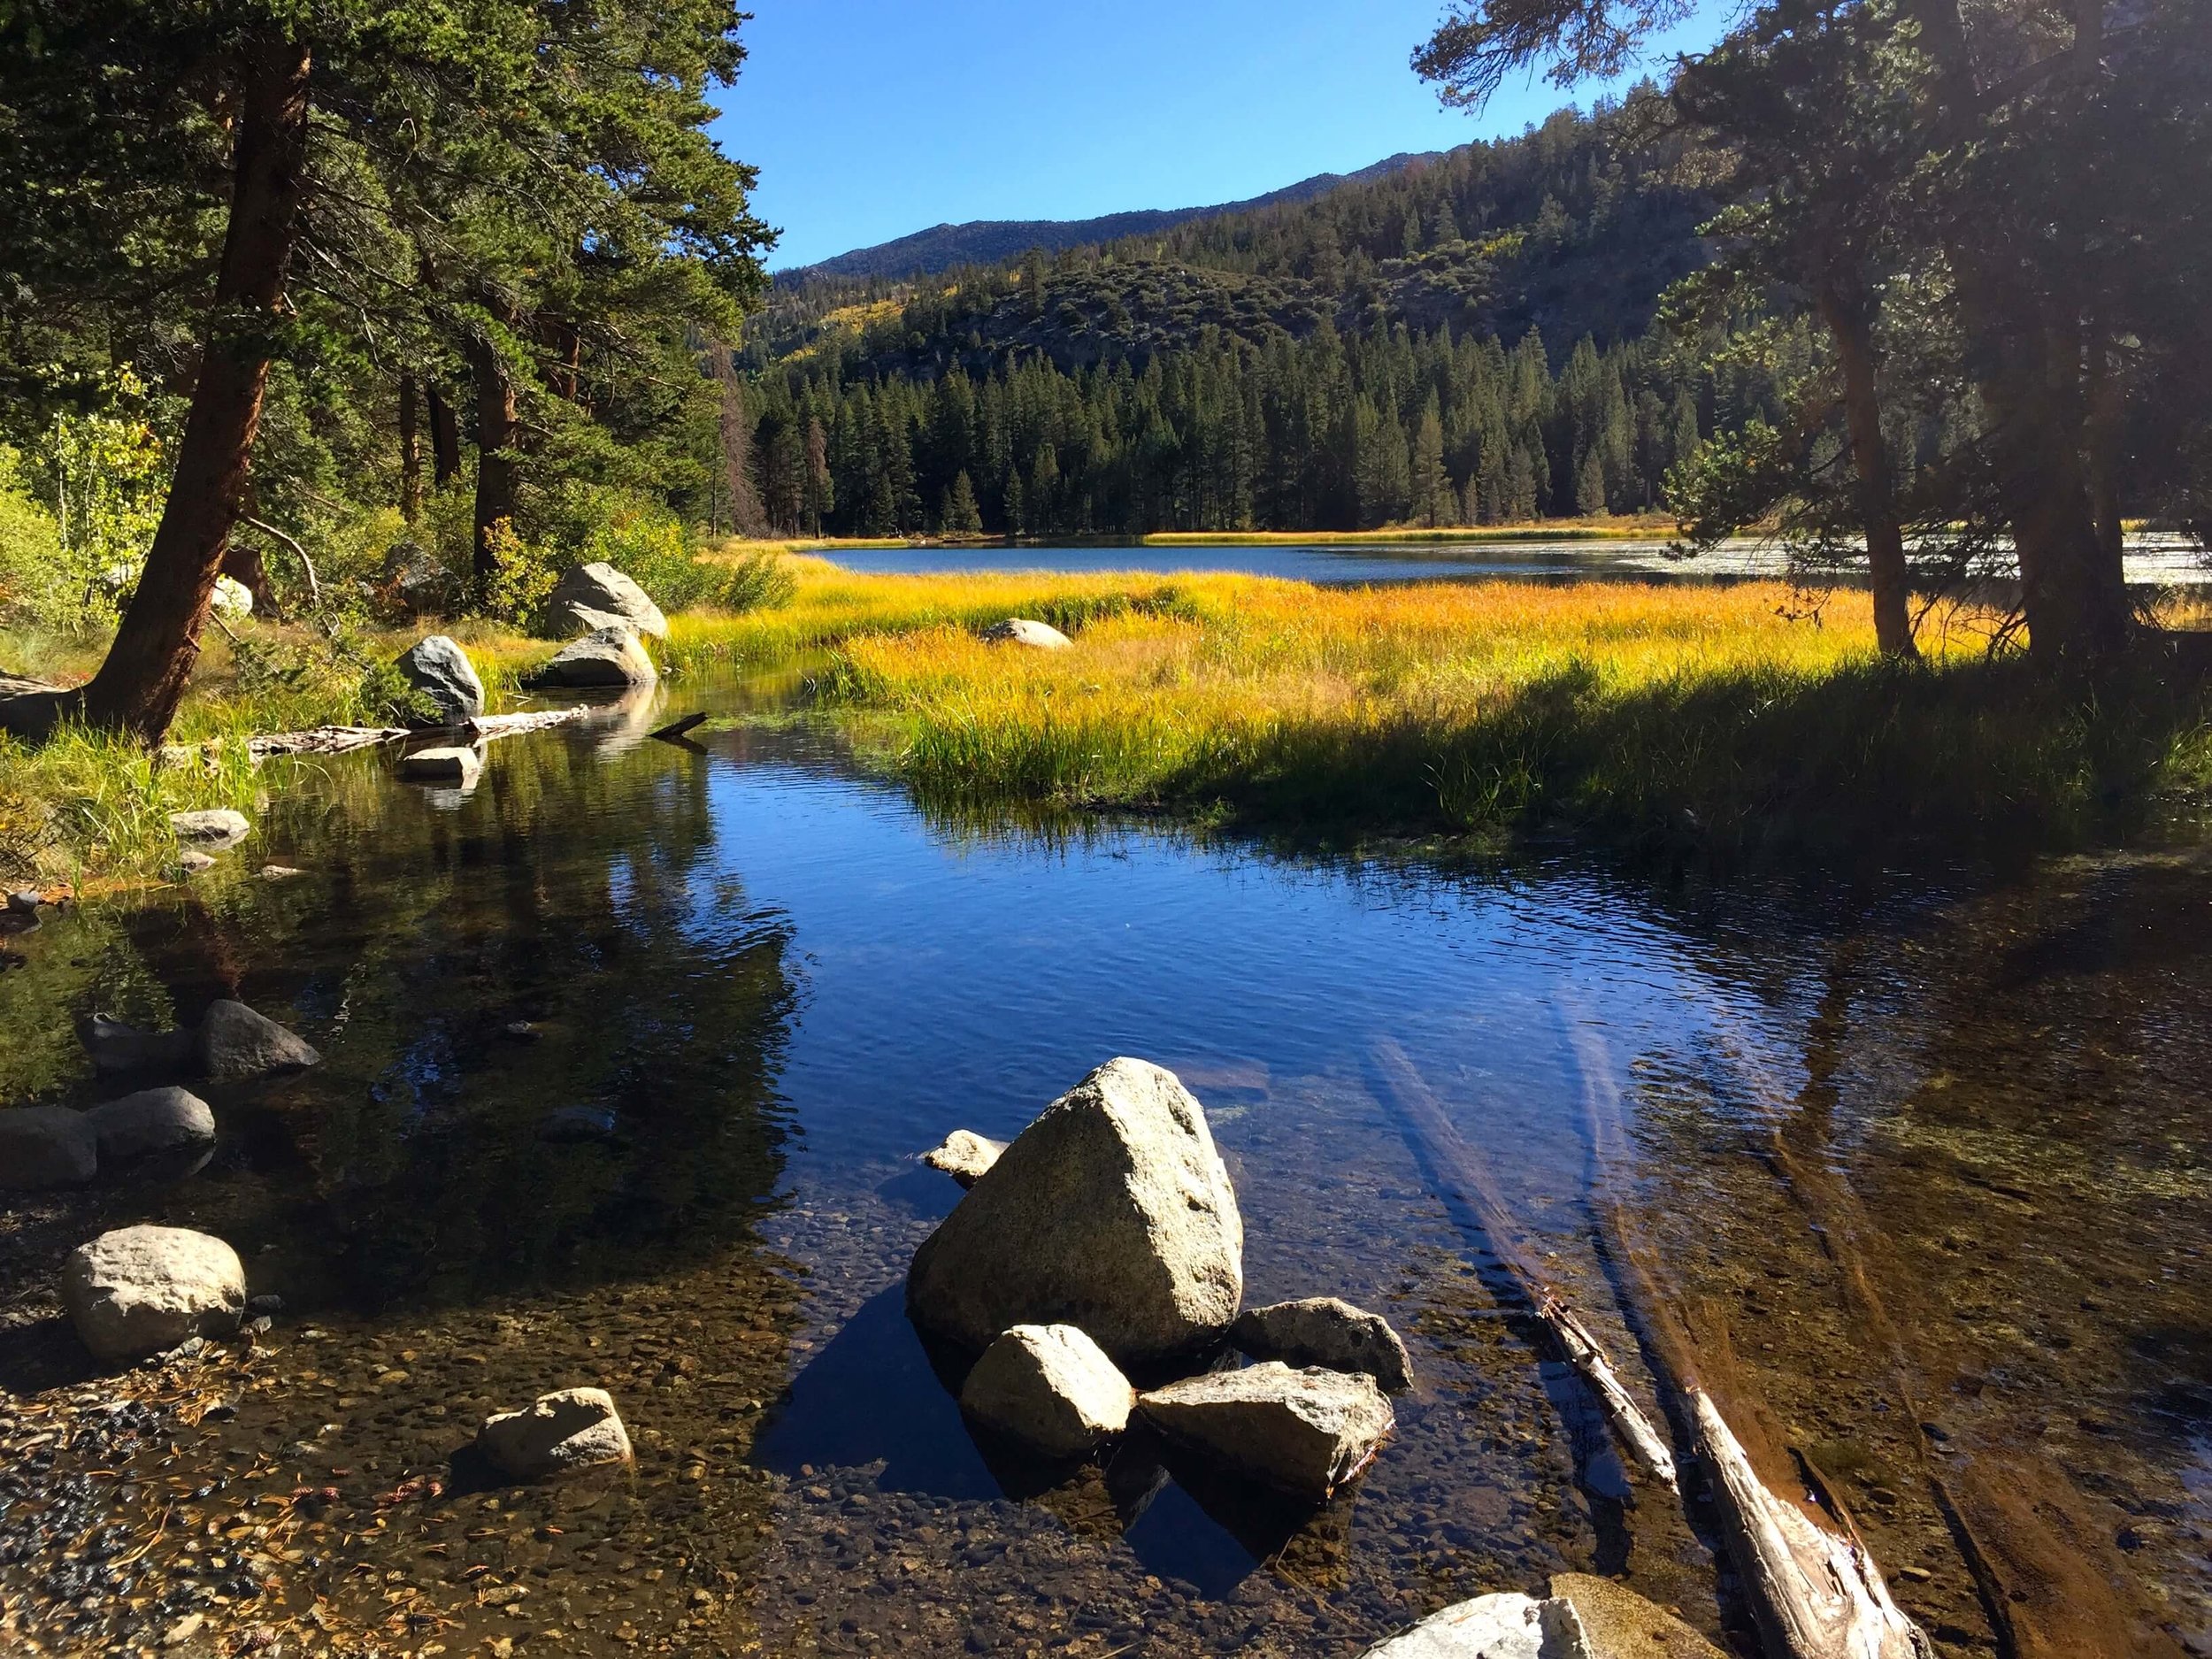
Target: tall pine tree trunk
{"points": [[138, 686], [445, 436], [497, 423], [1869, 462], [409, 449]]}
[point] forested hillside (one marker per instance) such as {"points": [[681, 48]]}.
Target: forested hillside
{"points": [[1461, 341]]}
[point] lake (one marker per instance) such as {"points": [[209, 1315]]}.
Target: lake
{"points": [[2153, 560], [1971, 1105]]}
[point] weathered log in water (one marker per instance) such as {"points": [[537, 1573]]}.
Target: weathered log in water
{"points": [[1447, 1152], [339, 740]]}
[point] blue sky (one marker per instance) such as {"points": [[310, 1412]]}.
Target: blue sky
{"points": [[870, 118]]}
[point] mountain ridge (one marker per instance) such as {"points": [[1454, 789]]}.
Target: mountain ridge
{"points": [[932, 252]]}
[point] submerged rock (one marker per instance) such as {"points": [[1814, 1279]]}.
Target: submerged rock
{"points": [[441, 670], [1110, 1212], [1327, 1332], [116, 1047], [572, 1428], [152, 1120], [608, 659], [1022, 630], [448, 763], [1507, 1626], [569, 1124], [1618, 1624], [217, 828], [1305, 1432], [47, 1146], [598, 596], [1050, 1388], [193, 862], [965, 1155], [143, 1290], [236, 1043]]}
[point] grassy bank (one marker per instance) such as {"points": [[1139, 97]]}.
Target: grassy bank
{"points": [[1655, 715]]}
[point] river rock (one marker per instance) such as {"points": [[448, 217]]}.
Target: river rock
{"points": [[47, 1146], [236, 1043], [143, 1290], [1305, 1432], [965, 1155], [441, 670], [152, 1120], [116, 1047], [1507, 1626], [455, 762], [1618, 1624], [217, 828], [1050, 1388], [1327, 1332], [608, 659], [1022, 630], [1110, 1212], [594, 596], [573, 1428], [26, 902], [415, 578]]}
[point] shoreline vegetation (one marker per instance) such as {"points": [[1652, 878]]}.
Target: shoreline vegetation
{"points": [[1663, 719], [1642, 528]]}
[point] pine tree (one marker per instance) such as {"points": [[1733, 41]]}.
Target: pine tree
{"points": [[961, 516], [1590, 485], [1435, 503]]}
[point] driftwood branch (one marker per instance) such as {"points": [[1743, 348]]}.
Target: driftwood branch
{"points": [[314, 583], [338, 740], [1458, 1164]]}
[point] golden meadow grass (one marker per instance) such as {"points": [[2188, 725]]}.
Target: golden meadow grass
{"points": [[1655, 713]]}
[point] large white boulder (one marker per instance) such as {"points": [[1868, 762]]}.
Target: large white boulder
{"points": [[47, 1146], [598, 596], [1110, 1212], [441, 670], [1328, 1332], [1039, 636], [1047, 1387], [572, 1428], [236, 1043], [606, 659], [1305, 1432], [152, 1120], [1507, 1626], [142, 1290]]}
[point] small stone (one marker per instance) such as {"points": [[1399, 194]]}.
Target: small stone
{"points": [[448, 763], [1041, 636], [47, 1146], [265, 1305], [1050, 1388], [1305, 1432], [218, 827], [193, 863], [567, 1125], [572, 1428], [520, 1030], [1327, 1332], [116, 1047], [965, 1155], [26, 901], [1506, 1626], [183, 1630], [143, 1290], [235, 1043], [279, 873], [152, 1120]]}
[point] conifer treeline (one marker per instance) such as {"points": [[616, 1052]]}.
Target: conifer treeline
{"points": [[1329, 433]]}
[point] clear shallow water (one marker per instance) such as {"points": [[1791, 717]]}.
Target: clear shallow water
{"points": [[783, 982], [2154, 560]]}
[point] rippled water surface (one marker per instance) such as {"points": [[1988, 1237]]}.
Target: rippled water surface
{"points": [[1924, 1163]]}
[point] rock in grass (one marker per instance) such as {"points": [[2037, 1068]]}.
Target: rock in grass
{"points": [[965, 1155], [1050, 1388], [142, 1290], [1041, 636], [1327, 1332], [116, 1047], [439, 669], [608, 659], [216, 828], [1110, 1212], [1508, 1625], [236, 1043], [47, 1146], [1621, 1624], [1305, 1432], [573, 1428], [151, 1121], [598, 596], [448, 763]]}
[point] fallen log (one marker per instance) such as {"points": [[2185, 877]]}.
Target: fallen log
{"points": [[1815, 1588], [675, 729], [1459, 1164], [339, 740]]}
